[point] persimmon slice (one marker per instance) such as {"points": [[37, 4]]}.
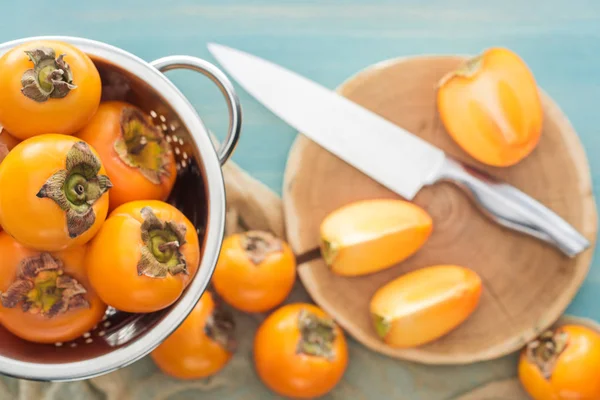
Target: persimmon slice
{"points": [[424, 305], [370, 235]]}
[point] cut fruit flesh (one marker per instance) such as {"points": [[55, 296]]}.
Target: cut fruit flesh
{"points": [[367, 236]]}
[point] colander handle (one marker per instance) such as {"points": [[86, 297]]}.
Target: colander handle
{"points": [[223, 83]]}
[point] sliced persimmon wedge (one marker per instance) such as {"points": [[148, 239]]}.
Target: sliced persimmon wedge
{"points": [[424, 305], [367, 236], [491, 107]]}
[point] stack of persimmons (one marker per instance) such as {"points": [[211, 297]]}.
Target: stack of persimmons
{"points": [[83, 214], [82, 205], [85, 225]]}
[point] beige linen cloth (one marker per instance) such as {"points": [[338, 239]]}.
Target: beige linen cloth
{"points": [[370, 376]]}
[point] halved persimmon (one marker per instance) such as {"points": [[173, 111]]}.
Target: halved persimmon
{"points": [[492, 108], [137, 158], [255, 272], [370, 235], [201, 346], [47, 86], [425, 304], [46, 297], [562, 363], [143, 257], [58, 193], [300, 352]]}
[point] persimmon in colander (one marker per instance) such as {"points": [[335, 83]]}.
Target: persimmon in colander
{"points": [[7, 142], [137, 158], [143, 257], [54, 192], [47, 86], [46, 297], [202, 345]]}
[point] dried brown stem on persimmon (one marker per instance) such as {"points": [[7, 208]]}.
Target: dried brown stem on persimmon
{"points": [[143, 146], [317, 335], [258, 245], [42, 287], [50, 77], [77, 188], [546, 349], [161, 253]]}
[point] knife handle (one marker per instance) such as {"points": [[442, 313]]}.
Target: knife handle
{"points": [[513, 209]]}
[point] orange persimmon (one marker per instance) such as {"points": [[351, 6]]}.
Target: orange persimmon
{"points": [[137, 158], [424, 305], [47, 86], [562, 363], [491, 107], [300, 352], [46, 297], [58, 193], [7, 143], [201, 346], [143, 257], [370, 235], [255, 272]]}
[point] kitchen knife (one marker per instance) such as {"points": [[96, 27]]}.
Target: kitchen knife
{"points": [[384, 151]]}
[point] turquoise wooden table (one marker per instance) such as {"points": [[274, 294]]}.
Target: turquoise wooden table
{"points": [[328, 41]]}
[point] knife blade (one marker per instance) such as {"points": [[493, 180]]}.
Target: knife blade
{"points": [[386, 152]]}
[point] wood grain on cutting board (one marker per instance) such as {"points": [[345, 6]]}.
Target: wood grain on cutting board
{"points": [[527, 283]]}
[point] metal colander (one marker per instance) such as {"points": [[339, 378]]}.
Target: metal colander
{"points": [[123, 338]]}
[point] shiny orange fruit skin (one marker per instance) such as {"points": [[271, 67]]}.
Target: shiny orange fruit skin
{"points": [[24, 117], [128, 182], [492, 108], [116, 250], [371, 235], [575, 375], [425, 304], [251, 287], [39, 223], [37, 328], [7, 142], [189, 353], [289, 373]]}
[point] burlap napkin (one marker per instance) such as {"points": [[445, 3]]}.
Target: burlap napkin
{"points": [[251, 205]]}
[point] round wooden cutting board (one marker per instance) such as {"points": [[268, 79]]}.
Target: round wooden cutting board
{"points": [[527, 283]]}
